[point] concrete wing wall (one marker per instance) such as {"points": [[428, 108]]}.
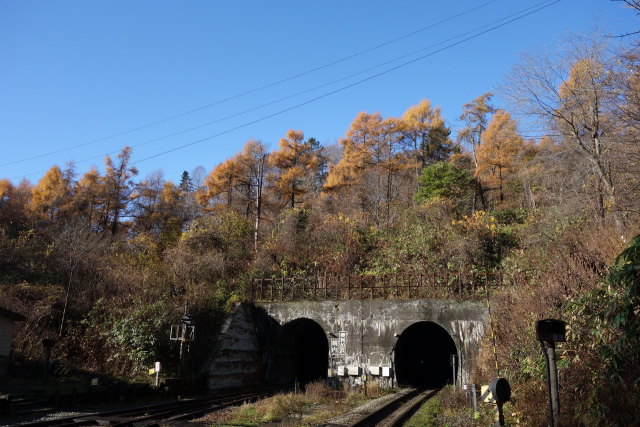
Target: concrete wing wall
{"points": [[236, 360]]}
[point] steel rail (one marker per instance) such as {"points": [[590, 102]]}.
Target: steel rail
{"points": [[393, 413], [180, 410]]}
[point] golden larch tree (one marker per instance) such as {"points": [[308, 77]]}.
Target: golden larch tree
{"points": [[295, 161], [500, 153], [424, 131], [87, 196], [50, 195], [222, 181], [118, 187], [358, 146], [6, 190], [373, 157], [475, 115], [237, 180]]}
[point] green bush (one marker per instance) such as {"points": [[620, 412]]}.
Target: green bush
{"points": [[443, 179], [510, 216]]}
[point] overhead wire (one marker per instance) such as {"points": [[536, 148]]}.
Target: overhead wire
{"points": [[237, 114], [254, 90], [518, 15], [350, 85]]}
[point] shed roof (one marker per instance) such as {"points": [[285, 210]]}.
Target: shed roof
{"points": [[11, 315]]}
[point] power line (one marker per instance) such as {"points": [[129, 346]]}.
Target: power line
{"points": [[347, 86], [251, 91], [183, 131], [518, 15]]}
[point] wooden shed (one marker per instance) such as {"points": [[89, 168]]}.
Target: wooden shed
{"points": [[7, 327]]}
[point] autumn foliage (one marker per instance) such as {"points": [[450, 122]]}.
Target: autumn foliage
{"points": [[119, 255]]}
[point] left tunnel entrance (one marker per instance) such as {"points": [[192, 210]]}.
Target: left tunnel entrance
{"points": [[301, 352]]}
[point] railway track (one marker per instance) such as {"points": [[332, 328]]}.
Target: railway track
{"points": [[393, 412], [151, 415]]}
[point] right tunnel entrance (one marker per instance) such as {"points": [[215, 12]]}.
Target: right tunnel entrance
{"points": [[423, 355]]}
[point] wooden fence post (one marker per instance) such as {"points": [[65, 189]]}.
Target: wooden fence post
{"points": [[326, 285], [395, 280], [384, 286], [282, 289], [371, 287]]}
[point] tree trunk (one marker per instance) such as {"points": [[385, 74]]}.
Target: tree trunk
{"points": [[258, 203]]}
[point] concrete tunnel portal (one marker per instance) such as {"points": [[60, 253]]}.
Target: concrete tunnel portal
{"points": [[422, 356], [301, 354]]}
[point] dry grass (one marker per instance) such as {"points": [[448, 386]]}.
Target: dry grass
{"points": [[319, 403]]}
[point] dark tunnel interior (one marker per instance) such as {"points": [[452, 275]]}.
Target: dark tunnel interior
{"points": [[301, 352], [422, 356]]}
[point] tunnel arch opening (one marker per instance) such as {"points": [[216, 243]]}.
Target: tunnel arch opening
{"points": [[422, 356], [301, 352]]}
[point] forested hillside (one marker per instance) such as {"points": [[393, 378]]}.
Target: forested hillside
{"points": [[546, 186]]}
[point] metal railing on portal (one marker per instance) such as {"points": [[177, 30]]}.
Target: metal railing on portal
{"points": [[437, 284]]}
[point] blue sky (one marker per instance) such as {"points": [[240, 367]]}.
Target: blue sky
{"points": [[75, 73]]}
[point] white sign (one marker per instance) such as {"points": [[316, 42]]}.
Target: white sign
{"points": [[182, 333], [353, 371], [334, 346], [342, 343], [157, 366]]}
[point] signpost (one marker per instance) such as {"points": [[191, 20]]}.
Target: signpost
{"points": [[185, 333], [333, 354], [157, 369], [548, 332]]}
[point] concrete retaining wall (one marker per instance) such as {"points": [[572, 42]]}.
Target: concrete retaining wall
{"points": [[246, 348]]}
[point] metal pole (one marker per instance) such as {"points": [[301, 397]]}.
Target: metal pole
{"points": [[453, 368], [365, 380], [474, 402], [180, 362], [499, 415], [549, 349], [394, 381]]}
